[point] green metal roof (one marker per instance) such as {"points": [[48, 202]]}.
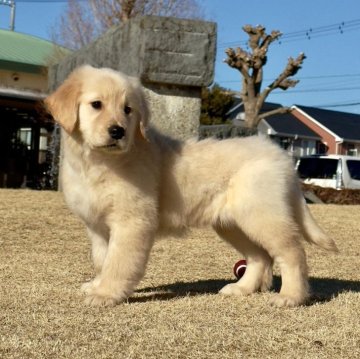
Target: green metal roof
{"points": [[21, 52]]}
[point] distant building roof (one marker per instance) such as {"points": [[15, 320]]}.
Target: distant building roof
{"points": [[237, 108], [289, 125], [21, 52], [343, 124]]}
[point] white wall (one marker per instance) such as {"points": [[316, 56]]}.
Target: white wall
{"points": [[23, 81]]}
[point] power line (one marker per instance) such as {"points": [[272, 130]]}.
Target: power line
{"points": [[318, 77], [334, 89], [311, 33], [327, 76], [340, 105], [312, 90]]}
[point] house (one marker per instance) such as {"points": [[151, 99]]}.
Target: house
{"points": [[290, 133], [285, 129], [24, 129], [307, 130], [339, 131]]}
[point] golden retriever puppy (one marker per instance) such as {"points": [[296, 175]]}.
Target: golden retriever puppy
{"points": [[128, 183]]}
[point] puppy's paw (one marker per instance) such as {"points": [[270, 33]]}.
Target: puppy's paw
{"points": [[100, 295], [87, 287], [234, 289], [284, 301], [101, 301]]}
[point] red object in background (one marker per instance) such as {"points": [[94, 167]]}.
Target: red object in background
{"points": [[239, 268]]}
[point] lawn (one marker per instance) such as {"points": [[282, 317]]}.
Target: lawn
{"points": [[176, 311]]}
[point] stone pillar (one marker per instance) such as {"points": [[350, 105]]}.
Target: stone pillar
{"points": [[174, 58]]}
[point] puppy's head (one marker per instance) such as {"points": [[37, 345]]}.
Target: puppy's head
{"points": [[102, 107]]}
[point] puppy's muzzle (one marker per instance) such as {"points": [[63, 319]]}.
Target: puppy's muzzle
{"points": [[116, 132]]}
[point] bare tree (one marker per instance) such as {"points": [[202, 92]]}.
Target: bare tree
{"points": [[250, 64], [83, 21]]}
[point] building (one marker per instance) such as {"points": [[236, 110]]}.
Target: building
{"points": [[308, 130], [339, 131], [25, 129]]}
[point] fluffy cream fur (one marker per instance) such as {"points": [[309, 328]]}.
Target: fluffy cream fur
{"points": [[130, 189]]}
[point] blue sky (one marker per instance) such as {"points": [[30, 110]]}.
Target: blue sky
{"points": [[327, 31]]}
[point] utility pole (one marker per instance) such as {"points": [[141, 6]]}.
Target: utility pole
{"points": [[12, 5]]}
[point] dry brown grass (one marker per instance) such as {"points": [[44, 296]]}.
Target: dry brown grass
{"points": [[176, 313], [332, 195]]}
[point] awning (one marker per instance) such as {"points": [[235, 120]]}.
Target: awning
{"points": [[22, 94]]}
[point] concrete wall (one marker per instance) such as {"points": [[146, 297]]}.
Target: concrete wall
{"points": [[174, 58]]}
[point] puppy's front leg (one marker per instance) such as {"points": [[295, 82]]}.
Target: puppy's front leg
{"points": [[124, 265], [99, 247]]}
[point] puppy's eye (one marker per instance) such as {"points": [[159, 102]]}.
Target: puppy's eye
{"points": [[97, 105], [127, 110]]}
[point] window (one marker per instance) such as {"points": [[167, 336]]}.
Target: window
{"points": [[324, 168], [43, 144], [354, 169], [24, 136], [308, 147], [352, 152]]}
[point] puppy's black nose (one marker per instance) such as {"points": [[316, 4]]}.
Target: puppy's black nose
{"points": [[116, 132]]}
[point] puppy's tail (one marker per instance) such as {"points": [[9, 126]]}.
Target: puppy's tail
{"points": [[312, 232]]}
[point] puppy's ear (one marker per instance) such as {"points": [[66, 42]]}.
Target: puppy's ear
{"points": [[145, 116], [63, 103], [144, 111]]}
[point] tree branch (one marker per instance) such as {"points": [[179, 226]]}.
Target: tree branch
{"points": [[239, 60], [255, 35], [268, 39], [285, 84], [292, 67], [282, 81], [127, 7], [280, 110]]}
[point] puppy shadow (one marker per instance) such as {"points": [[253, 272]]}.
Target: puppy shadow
{"points": [[322, 289], [326, 289], [179, 290]]}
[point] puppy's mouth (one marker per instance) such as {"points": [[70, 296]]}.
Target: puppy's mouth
{"points": [[110, 147]]}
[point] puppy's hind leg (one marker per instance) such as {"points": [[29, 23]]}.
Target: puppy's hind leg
{"points": [[258, 274], [279, 236]]}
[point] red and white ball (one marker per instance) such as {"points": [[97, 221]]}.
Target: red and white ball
{"points": [[239, 268]]}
